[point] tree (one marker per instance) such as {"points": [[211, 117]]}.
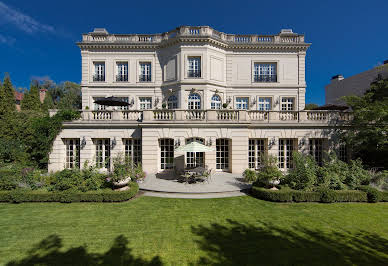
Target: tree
{"points": [[310, 106], [71, 96], [31, 100], [7, 97], [368, 131], [48, 102]]}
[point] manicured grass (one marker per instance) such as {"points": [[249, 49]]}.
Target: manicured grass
{"points": [[229, 231]]}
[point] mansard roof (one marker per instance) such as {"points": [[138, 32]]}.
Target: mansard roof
{"points": [[101, 38]]}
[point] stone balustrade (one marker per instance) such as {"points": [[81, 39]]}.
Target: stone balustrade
{"points": [[189, 31], [222, 116]]}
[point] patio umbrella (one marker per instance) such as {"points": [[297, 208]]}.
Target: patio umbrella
{"points": [[193, 147], [111, 101]]}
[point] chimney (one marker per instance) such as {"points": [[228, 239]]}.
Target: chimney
{"points": [[42, 95], [337, 77]]}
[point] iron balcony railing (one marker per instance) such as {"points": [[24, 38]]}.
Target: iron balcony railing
{"points": [[121, 77], [194, 74], [265, 78], [98, 77], [145, 78]]}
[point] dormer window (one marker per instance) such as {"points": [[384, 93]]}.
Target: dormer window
{"points": [[194, 67], [264, 72], [122, 71], [99, 71], [145, 72]]}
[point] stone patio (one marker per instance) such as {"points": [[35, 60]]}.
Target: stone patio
{"points": [[217, 183]]}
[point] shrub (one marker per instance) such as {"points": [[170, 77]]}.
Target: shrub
{"points": [[356, 174], [137, 172], [327, 195], [249, 175], [383, 196], [67, 179], [373, 194], [106, 195], [303, 176], [380, 180], [122, 168], [321, 195], [268, 172]]}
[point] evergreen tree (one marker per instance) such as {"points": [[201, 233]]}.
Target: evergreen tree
{"points": [[48, 102], [7, 97], [31, 100]]}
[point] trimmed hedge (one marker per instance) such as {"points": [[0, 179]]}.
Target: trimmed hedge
{"points": [[327, 196], [19, 195]]}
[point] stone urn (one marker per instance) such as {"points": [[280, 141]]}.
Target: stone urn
{"points": [[122, 182]]}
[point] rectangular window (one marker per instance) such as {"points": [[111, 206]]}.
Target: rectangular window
{"points": [[264, 104], [242, 103], [102, 153], [194, 67], [195, 159], [133, 150], [286, 147], [123, 99], [288, 103], [145, 72], [122, 71], [257, 149], [72, 153], [264, 72], [145, 103], [342, 152], [98, 107], [99, 71], [166, 154], [222, 154], [316, 150]]}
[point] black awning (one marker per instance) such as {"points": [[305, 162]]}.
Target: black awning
{"points": [[111, 101]]}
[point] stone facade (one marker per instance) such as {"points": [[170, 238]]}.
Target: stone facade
{"points": [[239, 94]]}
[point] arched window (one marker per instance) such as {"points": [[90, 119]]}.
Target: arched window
{"points": [[194, 101], [172, 102], [215, 102]]}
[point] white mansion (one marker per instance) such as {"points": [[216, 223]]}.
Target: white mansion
{"points": [[241, 95]]}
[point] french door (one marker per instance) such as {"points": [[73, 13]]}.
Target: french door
{"points": [[222, 154]]}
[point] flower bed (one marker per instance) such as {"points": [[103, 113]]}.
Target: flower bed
{"points": [[105, 195]]}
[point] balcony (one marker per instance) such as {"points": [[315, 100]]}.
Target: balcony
{"points": [[98, 78], [194, 73], [166, 116], [121, 78], [265, 78], [145, 78]]}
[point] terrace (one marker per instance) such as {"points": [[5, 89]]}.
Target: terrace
{"points": [[220, 116], [286, 36]]}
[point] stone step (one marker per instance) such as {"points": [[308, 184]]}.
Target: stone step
{"points": [[194, 195]]}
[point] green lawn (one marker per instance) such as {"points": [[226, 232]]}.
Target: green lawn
{"points": [[229, 231]]}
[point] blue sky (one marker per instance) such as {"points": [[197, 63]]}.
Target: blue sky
{"points": [[37, 37]]}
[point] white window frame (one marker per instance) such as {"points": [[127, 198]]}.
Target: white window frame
{"points": [[133, 149], [166, 153], [194, 159], [122, 71], [145, 103], [99, 72], [194, 102], [287, 103], [194, 69], [223, 154], [215, 102], [264, 103], [286, 147], [240, 103], [172, 102], [145, 71], [256, 149], [265, 72], [72, 153], [103, 153], [316, 148], [98, 107]]}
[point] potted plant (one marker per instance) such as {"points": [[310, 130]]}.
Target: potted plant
{"points": [[225, 105], [164, 105], [121, 174]]}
